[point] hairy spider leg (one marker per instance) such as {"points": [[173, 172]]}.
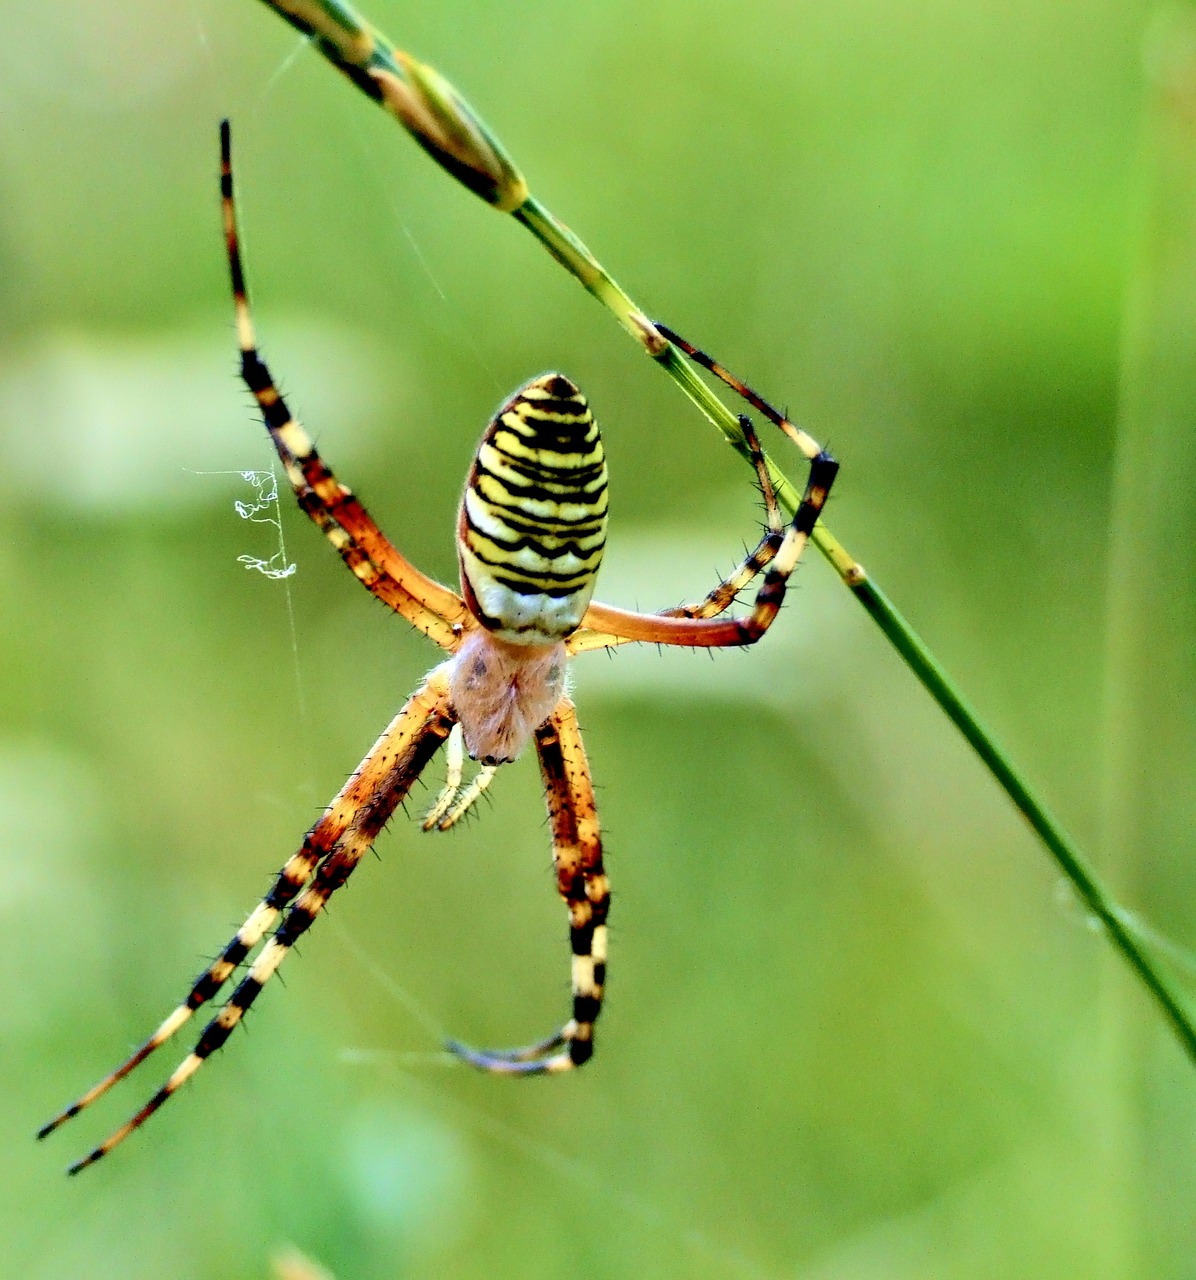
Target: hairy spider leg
{"points": [[804, 441], [727, 591], [469, 796], [604, 626], [454, 801], [454, 768], [430, 607], [724, 595], [318, 842], [582, 883], [357, 815]]}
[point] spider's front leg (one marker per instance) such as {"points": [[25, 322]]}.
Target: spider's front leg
{"points": [[582, 883]]}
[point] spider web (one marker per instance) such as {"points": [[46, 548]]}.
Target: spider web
{"points": [[501, 1133], [265, 509]]}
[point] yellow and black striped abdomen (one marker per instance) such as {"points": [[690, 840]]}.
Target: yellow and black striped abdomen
{"points": [[533, 520]]}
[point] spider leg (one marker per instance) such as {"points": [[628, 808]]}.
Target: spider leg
{"points": [[724, 595], [454, 756], [430, 607], [604, 626], [804, 441], [293, 876], [469, 797], [454, 802], [348, 829], [726, 592], [582, 883], [289, 881]]}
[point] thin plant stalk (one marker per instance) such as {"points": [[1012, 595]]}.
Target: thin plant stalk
{"points": [[445, 126]]}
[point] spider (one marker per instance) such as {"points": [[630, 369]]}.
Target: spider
{"points": [[530, 536]]}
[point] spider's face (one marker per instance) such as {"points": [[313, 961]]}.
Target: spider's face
{"points": [[532, 526]]}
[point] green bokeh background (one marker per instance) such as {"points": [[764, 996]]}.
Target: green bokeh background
{"points": [[855, 1027]]}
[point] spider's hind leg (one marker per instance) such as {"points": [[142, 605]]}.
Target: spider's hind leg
{"points": [[582, 883], [804, 441], [287, 884]]}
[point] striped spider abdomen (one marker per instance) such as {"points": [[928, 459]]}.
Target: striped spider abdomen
{"points": [[532, 525]]}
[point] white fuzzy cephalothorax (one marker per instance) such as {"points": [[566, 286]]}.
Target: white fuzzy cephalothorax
{"points": [[503, 692]]}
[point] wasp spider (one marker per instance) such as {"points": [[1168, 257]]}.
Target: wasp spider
{"points": [[530, 536]]}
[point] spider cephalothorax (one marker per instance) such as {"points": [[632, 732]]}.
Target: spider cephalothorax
{"points": [[530, 537]]}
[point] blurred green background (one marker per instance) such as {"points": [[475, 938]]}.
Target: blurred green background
{"points": [[855, 1027]]}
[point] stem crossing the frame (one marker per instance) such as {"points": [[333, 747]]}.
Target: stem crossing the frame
{"points": [[444, 124]]}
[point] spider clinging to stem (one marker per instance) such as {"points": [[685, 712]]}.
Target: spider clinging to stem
{"points": [[530, 536]]}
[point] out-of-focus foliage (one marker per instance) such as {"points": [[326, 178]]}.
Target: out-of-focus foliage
{"points": [[854, 1030]]}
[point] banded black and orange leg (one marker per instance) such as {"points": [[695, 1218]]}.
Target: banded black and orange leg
{"points": [[317, 843], [727, 591], [804, 441], [328, 856], [581, 882], [293, 876], [725, 594], [430, 607], [604, 626]]}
